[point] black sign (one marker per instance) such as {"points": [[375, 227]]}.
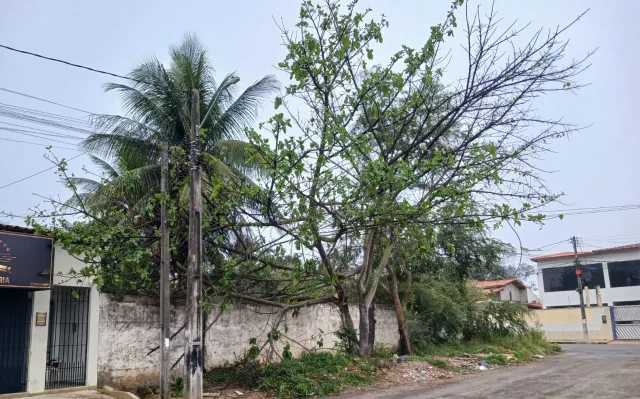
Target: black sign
{"points": [[26, 261]]}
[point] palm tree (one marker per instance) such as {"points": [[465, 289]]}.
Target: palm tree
{"points": [[156, 109]]}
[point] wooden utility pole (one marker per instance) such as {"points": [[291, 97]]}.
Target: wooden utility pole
{"points": [[193, 333], [585, 331], [165, 295]]}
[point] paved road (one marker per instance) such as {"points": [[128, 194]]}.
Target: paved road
{"points": [[583, 371]]}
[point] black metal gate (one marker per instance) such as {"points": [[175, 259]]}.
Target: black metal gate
{"points": [[68, 336], [15, 320]]}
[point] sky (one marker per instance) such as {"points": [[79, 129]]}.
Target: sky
{"points": [[595, 167]]}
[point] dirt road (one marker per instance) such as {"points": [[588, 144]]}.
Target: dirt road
{"points": [[583, 371]]}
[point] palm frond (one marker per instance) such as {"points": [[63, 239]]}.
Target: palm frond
{"points": [[105, 167], [190, 65], [120, 145], [229, 122]]}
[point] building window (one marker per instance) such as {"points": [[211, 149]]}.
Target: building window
{"points": [[624, 274], [564, 278], [510, 296]]}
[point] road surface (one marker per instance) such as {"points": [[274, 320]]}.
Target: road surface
{"points": [[583, 371]]}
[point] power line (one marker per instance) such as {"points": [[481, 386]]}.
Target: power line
{"points": [[37, 173], [631, 206], [82, 66], [548, 246], [40, 144], [38, 135], [46, 101], [36, 130]]}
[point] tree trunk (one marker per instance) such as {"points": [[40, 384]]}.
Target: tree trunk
{"points": [[365, 345], [372, 325], [405, 341], [347, 320]]}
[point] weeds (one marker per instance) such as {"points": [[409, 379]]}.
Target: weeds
{"points": [[324, 373], [496, 358], [313, 374], [523, 347]]}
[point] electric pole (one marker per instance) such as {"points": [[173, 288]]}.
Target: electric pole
{"points": [[165, 301], [585, 331], [193, 333]]}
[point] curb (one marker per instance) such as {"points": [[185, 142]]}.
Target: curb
{"points": [[107, 390], [48, 392], [582, 342]]}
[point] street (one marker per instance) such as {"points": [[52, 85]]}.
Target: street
{"points": [[582, 371]]}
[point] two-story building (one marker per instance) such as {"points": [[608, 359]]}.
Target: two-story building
{"points": [[615, 270]]}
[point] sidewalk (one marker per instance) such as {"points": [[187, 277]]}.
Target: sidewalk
{"points": [[74, 395]]}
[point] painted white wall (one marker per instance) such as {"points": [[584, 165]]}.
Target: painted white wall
{"points": [[531, 296], [609, 295], [517, 294], [129, 328], [38, 343]]}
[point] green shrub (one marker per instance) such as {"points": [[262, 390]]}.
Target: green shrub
{"points": [[496, 358], [447, 310], [523, 355], [313, 374]]}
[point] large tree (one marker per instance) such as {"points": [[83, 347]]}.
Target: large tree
{"points": [[377, 151]]}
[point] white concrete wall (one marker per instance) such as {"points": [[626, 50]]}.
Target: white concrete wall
{"points": [[609, 295], [517, 294], [63, 264], [129, 329], [531, 296]]}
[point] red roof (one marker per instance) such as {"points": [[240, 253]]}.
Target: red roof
{"points": [[498, 285], [586, 253]]}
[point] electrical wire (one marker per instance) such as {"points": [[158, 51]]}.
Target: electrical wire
{"points": [[40, 144], [82, 66], [548, 245], [46, 101], [38, 136], [37, 173], [35, 130]]}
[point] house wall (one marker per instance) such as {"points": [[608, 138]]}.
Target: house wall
{"points": [[517, 294], [609, 295], [63, 265], [129, 330], [531, 296], [565, 324]]}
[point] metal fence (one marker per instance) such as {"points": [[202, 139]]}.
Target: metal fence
{"points": [[68, 338], [626, 322], [15, 320]]}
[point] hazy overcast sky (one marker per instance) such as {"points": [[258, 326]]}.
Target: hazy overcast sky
{"points": [[597, 167]]}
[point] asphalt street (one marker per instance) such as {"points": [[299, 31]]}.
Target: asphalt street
{"points": [[582, 371]]}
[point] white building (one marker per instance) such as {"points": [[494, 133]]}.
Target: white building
{"points": [[512, 290], [616, 270], [48, 319]]}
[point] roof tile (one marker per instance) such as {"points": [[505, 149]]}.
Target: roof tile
{"points": [[560, 255]]}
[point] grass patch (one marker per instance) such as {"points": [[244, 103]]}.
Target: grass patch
{"points": [[522, 346], [313, 374], [496, 358]]}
